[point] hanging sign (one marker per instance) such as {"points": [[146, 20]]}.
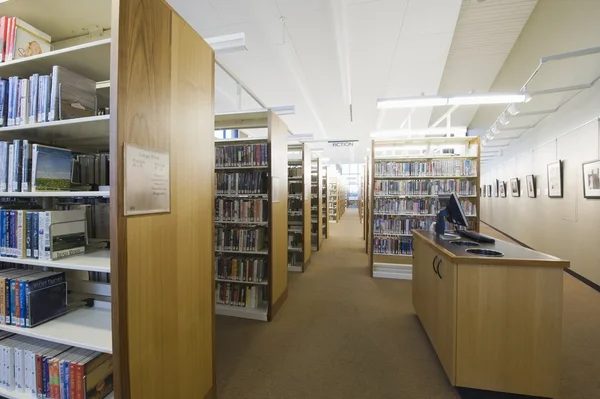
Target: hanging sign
{"points": [[342, 143]]}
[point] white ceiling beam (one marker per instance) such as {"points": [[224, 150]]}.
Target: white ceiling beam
{"points": [[445, 115]]}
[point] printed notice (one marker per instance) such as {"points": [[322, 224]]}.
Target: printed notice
{"points": [[147, 182]]}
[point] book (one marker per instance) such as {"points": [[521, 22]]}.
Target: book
{"points": [[4, 166], [58, 218], [77, 88], [25, 166], [11, 167], [4, 91], [24, 102], [28, 41], [67, 239], [51, 168], [3, 37], [34, 82]]}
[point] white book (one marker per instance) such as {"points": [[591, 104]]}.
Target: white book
{"points": [[24, 117], [11, 167], [40, 112], [20, 230], [34, 82], [29, 41]]}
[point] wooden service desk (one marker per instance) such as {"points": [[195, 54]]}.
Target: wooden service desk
{"points": [[494, 322]]}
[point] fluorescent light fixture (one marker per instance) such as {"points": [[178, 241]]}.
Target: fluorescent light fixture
{"points": [[411, 102], [284, 110], [503, 119], [228, 43], [466, 99], [490, 98], [456, 131], [513, 110]]}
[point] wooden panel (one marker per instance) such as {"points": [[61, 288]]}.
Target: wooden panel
{"points": [[306, 224], [162, 83], [445, 315], [509, 329], [278, 218]]}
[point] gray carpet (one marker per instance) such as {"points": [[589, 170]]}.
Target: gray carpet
{"points": [[342, 334]]}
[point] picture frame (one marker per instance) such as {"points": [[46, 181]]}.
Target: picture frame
{"points": [[489, 190], [502, 189], [530, 181], [515, 187], [555, 179], [496, 188], [591, 179]]}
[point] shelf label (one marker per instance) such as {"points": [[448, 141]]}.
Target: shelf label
{"points": [[147, 181]]}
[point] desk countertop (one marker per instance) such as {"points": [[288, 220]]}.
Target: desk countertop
{"points": [[514, 254]]}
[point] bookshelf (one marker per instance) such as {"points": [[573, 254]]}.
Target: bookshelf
{"points": [[324, 201], [342, 202], [257, 250], [299, 248], [316, 205], [332, 195], [405, 178], [367, 207], [161, 95]]}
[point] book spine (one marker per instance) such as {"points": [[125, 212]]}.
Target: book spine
{"points": [[22, 308], [11, 234], [11, 88], [20, 235], [3, 102], [61, 380], [35, 241], [40, 102], [45, 378], [53, 94], [72, 391], [3, 165], [48, 281], [39, 377], [26, 167], [17, 162], [7, 301], [41, 234], [18, 103], [15, 302], [2, 303], [28, 234], [24, 101], [11, 165]]}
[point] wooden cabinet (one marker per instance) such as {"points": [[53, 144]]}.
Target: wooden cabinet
{"points": [[434, 300], [495, 323]]}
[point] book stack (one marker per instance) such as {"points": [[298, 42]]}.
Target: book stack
{"points": [[242, 295], [241, 210], [241, 155], [242, 183], [18, 39], [392, 246], [39, 369], [445, 167], [425, 187], [295, 241], [295, 204], [30, 297], [240, 239], [396, 225], [295, 171], [42, 234], [45, 98], [235, 268]]}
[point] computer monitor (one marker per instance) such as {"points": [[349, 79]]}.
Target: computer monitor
{"points": [[452, 211]]}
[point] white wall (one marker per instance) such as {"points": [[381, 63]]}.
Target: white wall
{"points": [[568, 227]]}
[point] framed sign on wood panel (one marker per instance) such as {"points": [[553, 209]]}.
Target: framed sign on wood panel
{"points": [[489, 190], [555, 179], [502, 189], [496, 188], [591, 179], [147, 181]]}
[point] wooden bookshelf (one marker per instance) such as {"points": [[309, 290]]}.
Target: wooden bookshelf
{"points": [[324, 198], [299, 222], [159, 79], [398, 186], [332, 194], [316, 205], [276, 250]]}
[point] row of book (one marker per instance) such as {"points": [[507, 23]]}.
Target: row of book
{"points": [[392, 246], [295, 259], [295, 187], [295, 240], [30, 297], [241, 210], [91, 169], [237, 268], [240, 239], [244, 295], [39, 369], [445, 167], [295, 204], [236, 155], [416, 206], [44, 98], [18, 39], [425, 187], [295, 171], [399, 225], [41, 234], [242, 183]]}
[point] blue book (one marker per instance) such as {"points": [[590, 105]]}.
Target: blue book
{"points": [[3, 102]]}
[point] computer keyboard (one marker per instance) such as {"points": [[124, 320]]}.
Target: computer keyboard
{"points": [[475, 236]]}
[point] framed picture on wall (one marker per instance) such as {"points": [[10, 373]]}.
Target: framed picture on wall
{"points": [[489, 190], [502, 189], [591, 179], [530, 180], [496, 188], [555, 183], [515, 187]]}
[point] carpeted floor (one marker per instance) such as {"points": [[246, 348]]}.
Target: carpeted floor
{"points": [[342, 334]]}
